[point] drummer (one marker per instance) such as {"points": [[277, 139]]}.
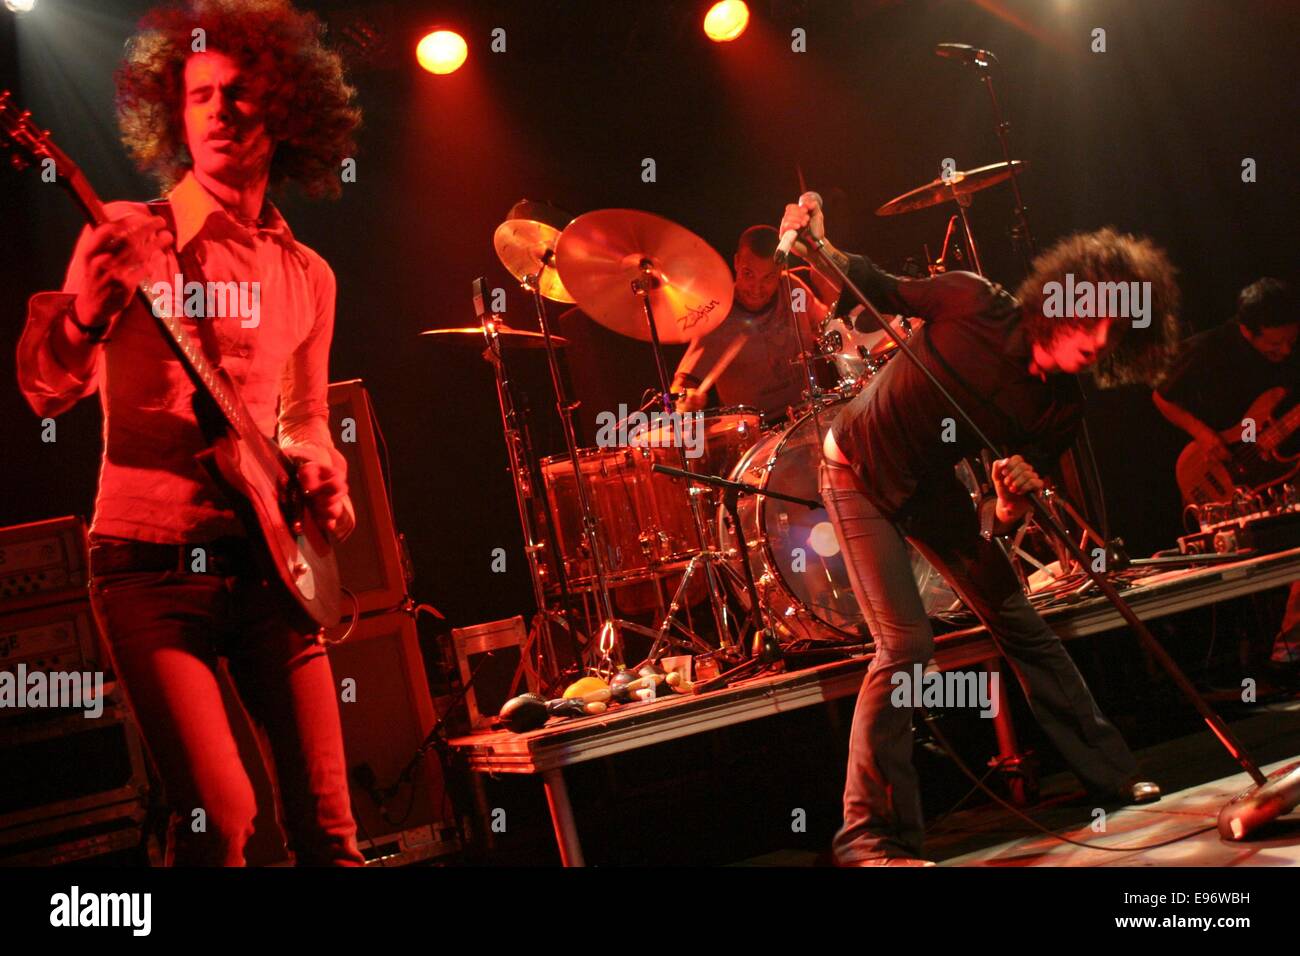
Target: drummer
{"points": [[762, 371]]}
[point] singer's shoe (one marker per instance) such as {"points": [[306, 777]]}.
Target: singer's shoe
{"points": [[1144, 791], [890, 861], [1131, 793]]}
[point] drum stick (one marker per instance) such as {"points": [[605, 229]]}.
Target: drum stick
{"points": [[732, 351], [693, 351]]}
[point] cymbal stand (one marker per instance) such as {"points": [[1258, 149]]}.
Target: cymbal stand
{"points": [[524, 478], [609, 642], [708, 557], [963, 201]]}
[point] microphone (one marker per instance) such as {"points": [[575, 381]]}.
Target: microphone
{"points": [[966, 53], [790, 235]]}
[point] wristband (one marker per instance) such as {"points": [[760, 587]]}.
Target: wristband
{"points": [[97, 334]]}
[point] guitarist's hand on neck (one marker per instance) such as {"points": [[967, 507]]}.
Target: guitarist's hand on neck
{"points": [[118, 255], [225, 130]]}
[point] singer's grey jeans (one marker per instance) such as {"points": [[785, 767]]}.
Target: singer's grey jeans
{"points": [[882, 800]]}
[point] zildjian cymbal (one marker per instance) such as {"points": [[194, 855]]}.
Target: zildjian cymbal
{"points": [[600, 254], [949, 189], [525, 244]]}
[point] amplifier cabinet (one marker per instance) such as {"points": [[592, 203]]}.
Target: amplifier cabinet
{"points": [[43, 562], [370, 558], [386, 711]]}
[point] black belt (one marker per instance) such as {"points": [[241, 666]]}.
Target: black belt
{"points": [[225, 556]]}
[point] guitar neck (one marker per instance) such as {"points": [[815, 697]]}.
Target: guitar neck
{"points": [[1284, 426]]}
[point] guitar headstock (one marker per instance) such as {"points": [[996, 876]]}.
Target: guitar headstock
{"points": [[27, 143]]}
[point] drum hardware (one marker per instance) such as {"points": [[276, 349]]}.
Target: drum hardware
{"points": [[680, 290], [525, 244], [1021, 235], [940, 265], [1270, 797], [525, 479], [957, 186], [766, 649], [1064, 572], [857, 355]]}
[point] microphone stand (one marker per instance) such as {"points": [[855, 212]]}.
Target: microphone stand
{"points": [[1021, 234], [1266, 800]]}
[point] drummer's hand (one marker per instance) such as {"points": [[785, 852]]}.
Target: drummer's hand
{"points": [[807, 214], [690, 399]]}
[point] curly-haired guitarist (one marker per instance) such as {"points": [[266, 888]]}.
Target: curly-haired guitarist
{"points": [[219, 99]]}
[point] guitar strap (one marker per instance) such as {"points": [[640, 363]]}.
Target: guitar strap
{"points": [[190, 268]]}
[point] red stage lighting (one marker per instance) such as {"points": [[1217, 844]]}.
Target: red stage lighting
{"points": [[442, 51], [726, 20]]}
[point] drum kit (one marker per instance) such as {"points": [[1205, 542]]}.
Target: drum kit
{"points": [[606, 526]]}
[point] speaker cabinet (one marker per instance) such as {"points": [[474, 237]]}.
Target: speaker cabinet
{"points": [[387, 712], [370, 559]]}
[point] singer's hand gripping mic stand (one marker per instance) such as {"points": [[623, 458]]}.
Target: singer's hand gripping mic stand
{"points": [[1273, 795]]}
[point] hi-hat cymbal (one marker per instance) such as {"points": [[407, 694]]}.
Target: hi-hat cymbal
{"points": [[947, 190], [510, 338], [601, 253], [525, 243]]}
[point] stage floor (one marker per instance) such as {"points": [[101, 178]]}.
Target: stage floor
{"points": [[991, 836]]}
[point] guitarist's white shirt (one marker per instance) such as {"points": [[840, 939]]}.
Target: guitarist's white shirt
{"points": [[150, 486]]}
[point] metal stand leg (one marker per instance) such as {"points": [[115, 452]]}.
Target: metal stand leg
{"points": [[566, 830], [1014, 766]]}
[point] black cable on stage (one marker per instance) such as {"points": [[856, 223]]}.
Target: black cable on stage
{"points": [[979, 783]]}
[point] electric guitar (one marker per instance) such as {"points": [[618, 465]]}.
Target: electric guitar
{"points": [[259, 479], [1254, 465]]}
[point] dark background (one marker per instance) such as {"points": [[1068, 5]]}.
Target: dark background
{"points": [[1148, 136]]}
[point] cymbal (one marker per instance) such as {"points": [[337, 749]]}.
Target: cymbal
{"points": [[510, 338], [525, 243], [600, 254], [946, 190]]}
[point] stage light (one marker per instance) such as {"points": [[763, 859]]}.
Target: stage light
{"points": [[442, 52], [20, 6], [726, 20]]}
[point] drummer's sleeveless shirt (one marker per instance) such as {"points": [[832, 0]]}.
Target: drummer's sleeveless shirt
{"points": [[766, 373]]}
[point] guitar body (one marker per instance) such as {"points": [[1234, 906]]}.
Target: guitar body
{"points": [[295, 552], [1254, 465]]}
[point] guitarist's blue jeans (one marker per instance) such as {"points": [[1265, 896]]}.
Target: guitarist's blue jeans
{"points": [[165, 631], [882, 799]]}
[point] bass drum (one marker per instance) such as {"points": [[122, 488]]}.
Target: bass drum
{"points": [[793, 553]]}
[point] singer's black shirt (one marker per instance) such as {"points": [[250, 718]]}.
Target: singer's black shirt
{"points": [[903, 436]]}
